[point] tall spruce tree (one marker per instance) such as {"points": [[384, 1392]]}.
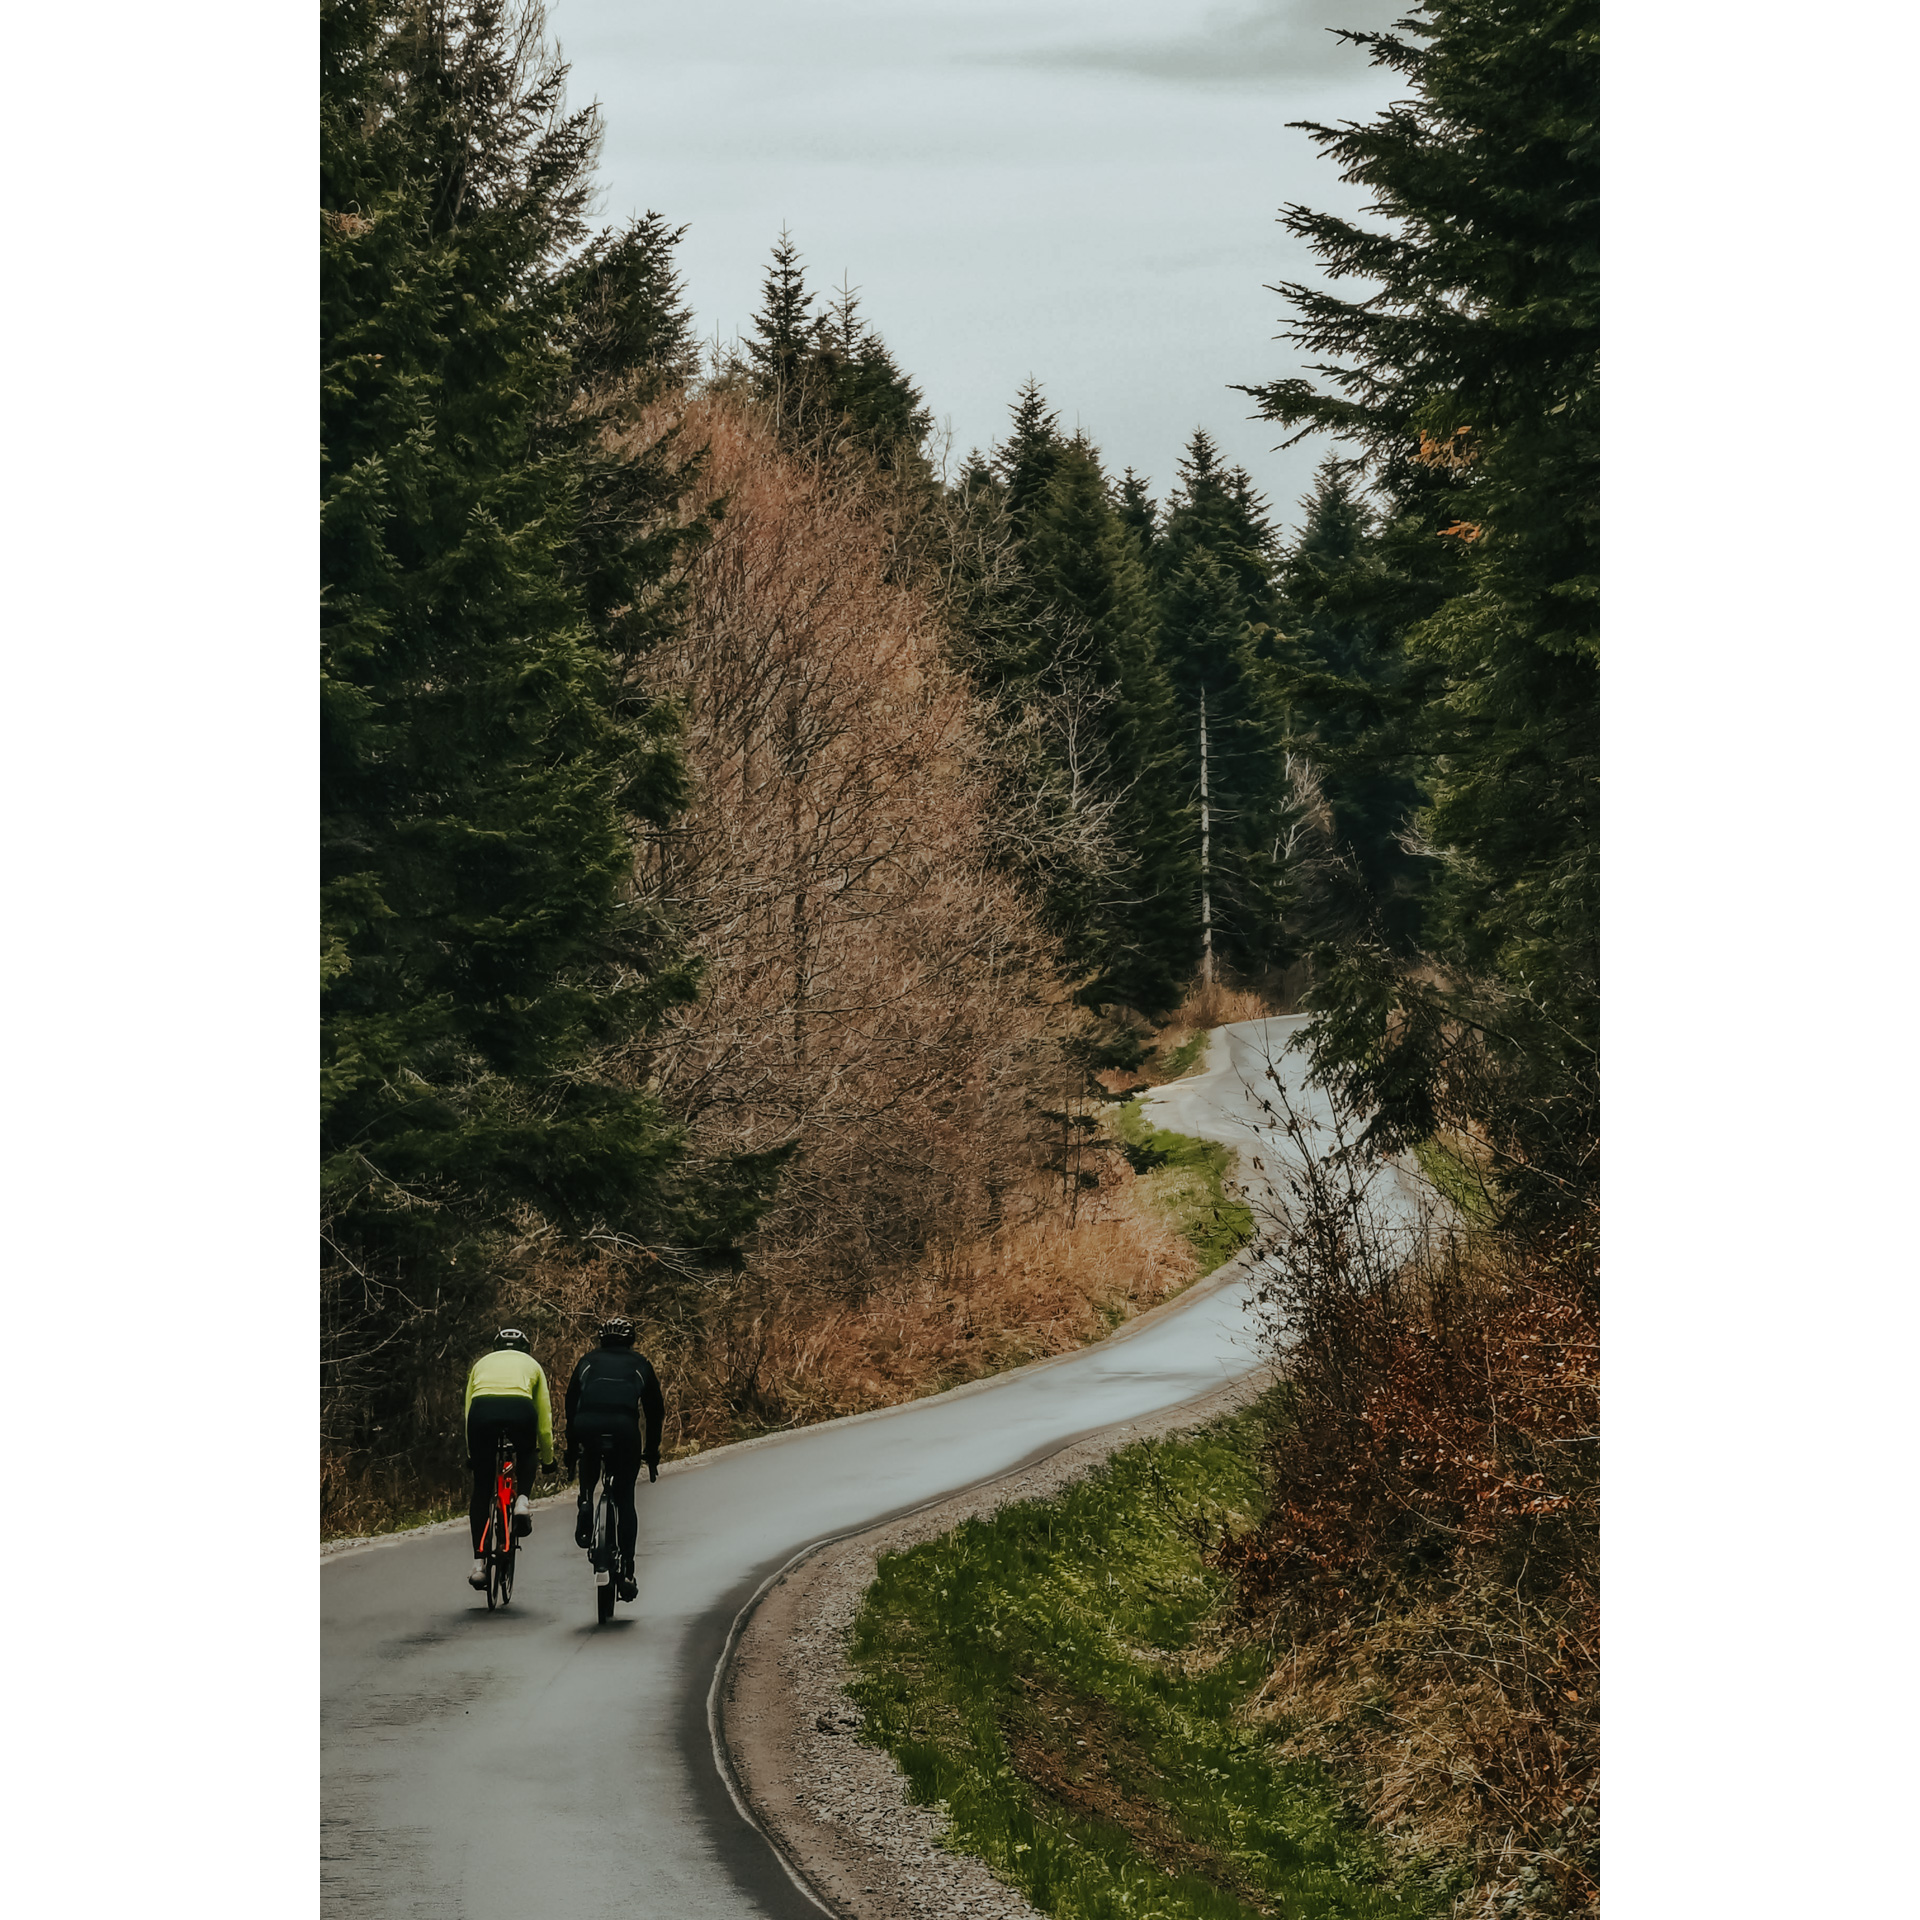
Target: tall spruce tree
{"points": [[1469, 377], [1134, 930], [1026, 459], [1340, 681], [1137, 509], [485, 759], [1217, 607], [833, 384], [1056, 617]]}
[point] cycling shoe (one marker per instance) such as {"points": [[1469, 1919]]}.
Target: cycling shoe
{"points": [[478, 1577], [627, 1587], [583, 1529]]}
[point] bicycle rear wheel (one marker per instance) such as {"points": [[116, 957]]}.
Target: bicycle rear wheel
{"points": [[507, 1560], [606, 1557]]}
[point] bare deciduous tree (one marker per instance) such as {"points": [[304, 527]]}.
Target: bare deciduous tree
{"points": [[875, 989]]}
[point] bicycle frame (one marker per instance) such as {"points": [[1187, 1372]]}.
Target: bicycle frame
{"points": [[606, 1523], [504, 1490]]}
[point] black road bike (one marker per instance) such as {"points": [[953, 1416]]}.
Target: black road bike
{"points": [[604, 1552]]}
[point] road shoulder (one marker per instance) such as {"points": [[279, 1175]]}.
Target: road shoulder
{"points": [[835, 1808]]}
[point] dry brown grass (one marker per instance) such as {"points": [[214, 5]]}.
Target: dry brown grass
{"points": [[1032, 1290], [1217, 1005], [1204, 1008], [1408, 1705], [736, 1360]]}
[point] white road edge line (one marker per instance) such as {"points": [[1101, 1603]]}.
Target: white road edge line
{"points": [[722, 1760]]}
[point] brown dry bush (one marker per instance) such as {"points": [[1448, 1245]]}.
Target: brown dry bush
{"points": [[1428, 1567], [876, 995]]}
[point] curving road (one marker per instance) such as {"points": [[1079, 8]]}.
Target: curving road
{"points": [[486, 1766]]}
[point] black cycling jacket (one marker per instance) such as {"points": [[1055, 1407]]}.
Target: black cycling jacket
{"points": [[612, 1388]]}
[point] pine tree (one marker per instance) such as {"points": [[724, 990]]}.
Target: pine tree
{"points": [[830, 378], [1215, 509], [1137, 511], [1215, 560], [1026, 460], [1056, 616], [1469, 377], [486, 759], [870, 404], [785, 334], [1134, 932], [1340, 684]]}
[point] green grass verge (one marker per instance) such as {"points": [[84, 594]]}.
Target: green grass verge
{"points": [[1181, 1059], [1187, 1178], [1056, 1679]]}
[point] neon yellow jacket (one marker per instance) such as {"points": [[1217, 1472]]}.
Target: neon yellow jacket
{"points": [[514, 1373]]}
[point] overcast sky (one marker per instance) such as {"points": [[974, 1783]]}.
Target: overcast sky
{"points": [[1083, 190]]}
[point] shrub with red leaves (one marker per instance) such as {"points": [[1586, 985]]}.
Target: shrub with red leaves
{"points": [[1455, 1413], [1436, 1465]]}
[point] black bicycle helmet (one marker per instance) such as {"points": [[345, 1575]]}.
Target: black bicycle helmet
{"points": [[617, 1327], [513, 1337]]}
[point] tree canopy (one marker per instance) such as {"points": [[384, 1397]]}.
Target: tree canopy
{"points": [[1468, 377]]}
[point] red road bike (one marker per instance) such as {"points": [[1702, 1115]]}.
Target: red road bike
{"points": [[498, 1546]]}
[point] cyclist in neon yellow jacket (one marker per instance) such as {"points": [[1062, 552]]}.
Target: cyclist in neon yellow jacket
{"points": [[506, 1393]]}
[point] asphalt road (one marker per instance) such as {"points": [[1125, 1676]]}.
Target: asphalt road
{"points": [[488, 1766]]}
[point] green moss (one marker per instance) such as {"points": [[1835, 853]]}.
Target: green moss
{"points": [[1056, 1678]]}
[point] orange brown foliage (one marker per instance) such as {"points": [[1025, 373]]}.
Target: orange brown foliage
{"points": [[1428, 1568]]}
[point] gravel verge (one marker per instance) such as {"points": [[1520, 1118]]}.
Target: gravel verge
{"points": [[835, 1808]]}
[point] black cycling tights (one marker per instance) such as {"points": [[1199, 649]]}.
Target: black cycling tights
{"points": [[492, 1414], [623, 1467]]}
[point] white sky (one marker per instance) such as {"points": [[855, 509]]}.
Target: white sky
{"points": [[1084, 190]]}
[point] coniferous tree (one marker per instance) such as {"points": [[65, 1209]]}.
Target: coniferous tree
{"points": [[1468, 375], [869, 402], [1217, 608], [1338, 678], [1135, 929], [831, 379], [1026, 459], [1057, 615], [785, 333], [1141, 515], [485, 760]]}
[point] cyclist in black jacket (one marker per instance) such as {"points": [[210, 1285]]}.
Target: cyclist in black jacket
{"points": [[614, 1411]]}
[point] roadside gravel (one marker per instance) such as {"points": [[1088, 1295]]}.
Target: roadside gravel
{"points": [[836, 1808]]}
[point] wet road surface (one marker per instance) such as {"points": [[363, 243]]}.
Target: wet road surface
{"points": [[486, 1766]]}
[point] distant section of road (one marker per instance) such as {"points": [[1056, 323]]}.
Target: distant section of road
{"points": [[484, 1766], [1236, 1102]]}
